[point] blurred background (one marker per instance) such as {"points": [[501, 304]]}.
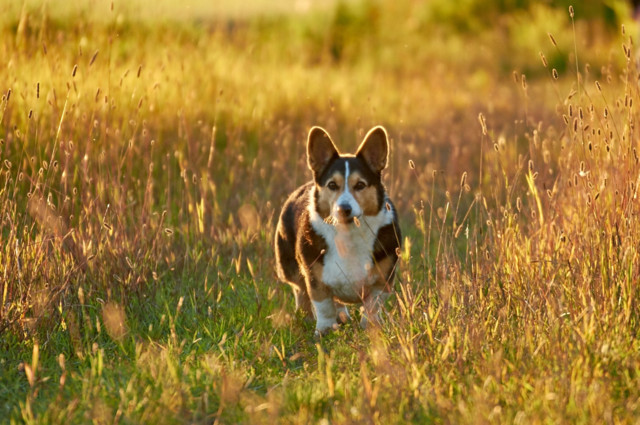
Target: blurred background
{"points": [[146, 147], [179, 115]]}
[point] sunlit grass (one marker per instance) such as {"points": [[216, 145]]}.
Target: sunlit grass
{"points": [[143, 163]]}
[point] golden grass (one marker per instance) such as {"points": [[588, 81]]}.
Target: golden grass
{"points": [[144, 162]]}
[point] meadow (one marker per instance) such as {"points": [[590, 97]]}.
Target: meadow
{"points": [[146, 149]]}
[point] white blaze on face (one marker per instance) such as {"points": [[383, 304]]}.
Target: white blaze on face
{"points": [[346, 198]]}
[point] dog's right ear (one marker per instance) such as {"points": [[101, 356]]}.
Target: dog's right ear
{"points": [[320, 150]]}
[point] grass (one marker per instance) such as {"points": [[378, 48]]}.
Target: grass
{"points": [[144, 161]]}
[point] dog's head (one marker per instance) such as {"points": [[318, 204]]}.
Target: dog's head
{"points": [[348, 186]]}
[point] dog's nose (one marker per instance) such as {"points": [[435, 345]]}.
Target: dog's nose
{"points": [[344, 209]]}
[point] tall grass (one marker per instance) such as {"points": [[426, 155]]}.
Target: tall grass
{"points": [[144, 163]]}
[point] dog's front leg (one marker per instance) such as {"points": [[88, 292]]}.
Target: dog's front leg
{"points": [[371, 306], [323, 306], [326, 315]]}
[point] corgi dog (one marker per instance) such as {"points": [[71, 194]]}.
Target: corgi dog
{"points": [[338, 238]]}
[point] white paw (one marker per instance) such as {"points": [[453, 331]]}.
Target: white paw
{"points": [[325, 315], [368, 319], [325, 328], [365, 321]]}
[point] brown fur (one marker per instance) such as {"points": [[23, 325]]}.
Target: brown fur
{"points": [[301, 252], [367, 197]]}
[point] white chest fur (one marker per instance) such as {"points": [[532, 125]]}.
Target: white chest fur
{"points": [[348, 263]]}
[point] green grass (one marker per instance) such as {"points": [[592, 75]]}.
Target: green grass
{"points": [[144, 159]]}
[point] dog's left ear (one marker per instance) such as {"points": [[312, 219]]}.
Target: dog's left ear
{"points": [[374, 149], [320, 150]]}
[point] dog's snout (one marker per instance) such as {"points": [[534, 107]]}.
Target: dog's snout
{"points": [[344, 209]]}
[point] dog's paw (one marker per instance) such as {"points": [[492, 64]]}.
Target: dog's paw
{"points": [[325, 329], [371, 320], [364, 322]]}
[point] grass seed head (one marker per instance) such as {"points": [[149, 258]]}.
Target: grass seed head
{"points": [[93, 58], [483, 123], [544, 60]]}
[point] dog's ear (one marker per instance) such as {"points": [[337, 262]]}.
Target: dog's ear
{"points": [[374, 149], [320, 150]]}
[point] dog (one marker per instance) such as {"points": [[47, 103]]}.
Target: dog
{"points": [[337, 240]]}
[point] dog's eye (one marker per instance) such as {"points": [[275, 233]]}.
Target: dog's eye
{"points": [[332, 186], [360, 185]]}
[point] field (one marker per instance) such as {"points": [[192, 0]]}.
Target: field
{"points": [[146, 148]]}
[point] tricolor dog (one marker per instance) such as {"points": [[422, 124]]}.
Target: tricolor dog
{"points": [[337, 237]]}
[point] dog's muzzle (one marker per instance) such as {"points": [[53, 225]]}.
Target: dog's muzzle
{"points": [[344, 211]]}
